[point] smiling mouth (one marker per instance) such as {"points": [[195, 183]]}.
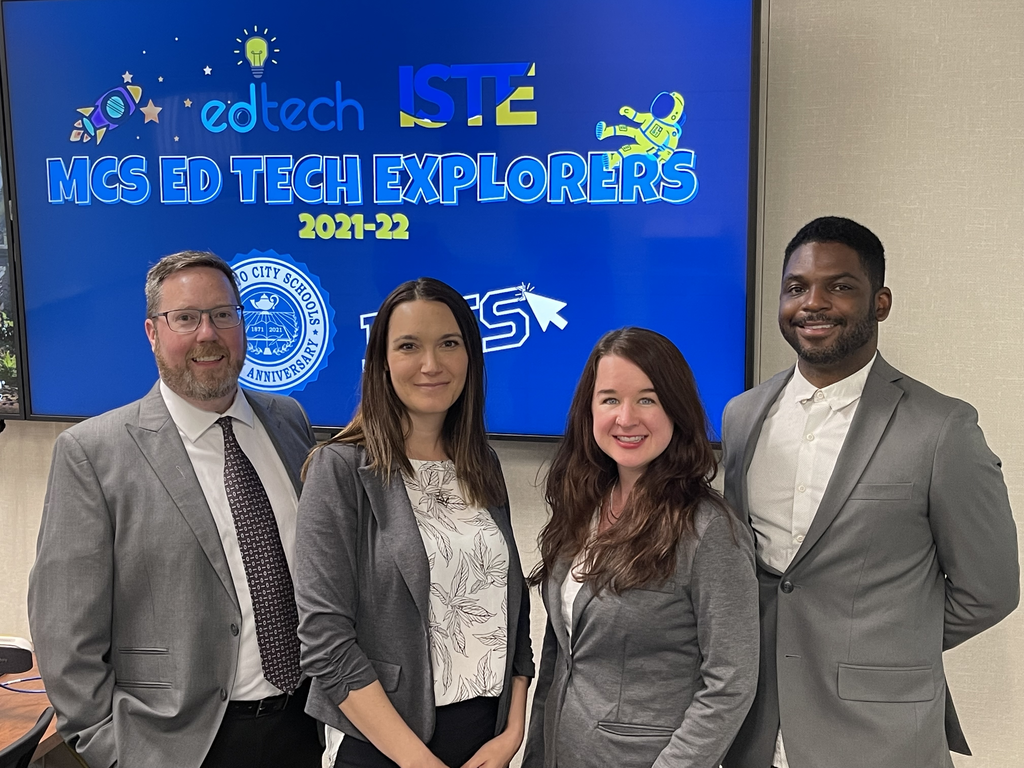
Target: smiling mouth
{"points": [[630, 439]]}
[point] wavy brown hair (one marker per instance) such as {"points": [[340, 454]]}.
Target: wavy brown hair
{"points": [[380, 423], [641, 547]]}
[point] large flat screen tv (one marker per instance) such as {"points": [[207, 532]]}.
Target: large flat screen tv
{"points": [[568, 166]]}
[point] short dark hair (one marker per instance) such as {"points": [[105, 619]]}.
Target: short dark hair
{"points": [[836, 229], [176, 262]]}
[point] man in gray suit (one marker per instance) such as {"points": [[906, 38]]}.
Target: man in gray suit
{"points": [[161, 602], [884, 532]]}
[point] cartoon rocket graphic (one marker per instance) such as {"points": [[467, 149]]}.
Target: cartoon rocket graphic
{"points": [[110, 110]]}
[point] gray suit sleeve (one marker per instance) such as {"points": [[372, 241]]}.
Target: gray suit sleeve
{"points": [[724, 595], [973, 528], [70, 603], [326, 575]]}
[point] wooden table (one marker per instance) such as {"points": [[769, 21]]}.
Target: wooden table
{"points": [[19, 712]]}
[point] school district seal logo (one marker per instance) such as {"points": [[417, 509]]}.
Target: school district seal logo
{"points": [[289, 323]]}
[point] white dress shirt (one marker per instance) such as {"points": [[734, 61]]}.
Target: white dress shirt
{"points": [[204, 443], [796, 452]]}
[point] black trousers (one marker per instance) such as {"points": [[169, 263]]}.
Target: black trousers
{"points": [[460, 729], [286, 738]]}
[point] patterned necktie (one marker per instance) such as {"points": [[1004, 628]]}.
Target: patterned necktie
{"points": [[266, 570]]}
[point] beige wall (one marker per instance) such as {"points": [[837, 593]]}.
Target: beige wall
{"points": [[907, 115]]}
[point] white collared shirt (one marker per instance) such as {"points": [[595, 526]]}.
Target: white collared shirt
{"points": [[204, 443], [796, 452]]}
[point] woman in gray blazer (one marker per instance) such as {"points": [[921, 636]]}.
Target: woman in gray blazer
{"points": [[414, 617], [650, 652]]}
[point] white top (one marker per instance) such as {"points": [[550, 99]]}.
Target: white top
{"points": [[204, 443], [796, 452], [468, 560]]}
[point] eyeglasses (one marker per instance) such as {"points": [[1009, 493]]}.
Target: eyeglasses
{"points": [[187, 320]]}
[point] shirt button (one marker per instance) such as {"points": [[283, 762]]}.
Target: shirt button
{"points": [[799, 539], [801, 488], [810, 438], [787, 587], [234, 630], [819, 396], [223, 695]]}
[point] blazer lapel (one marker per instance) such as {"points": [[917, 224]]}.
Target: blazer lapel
{"points": [[583, 598], [158, 440], [278, 431], [754, 421], [876, 407], [390, 506], [553, 601]]}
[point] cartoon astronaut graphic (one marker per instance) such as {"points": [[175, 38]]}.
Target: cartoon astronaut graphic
{"points": [[656, 133]]}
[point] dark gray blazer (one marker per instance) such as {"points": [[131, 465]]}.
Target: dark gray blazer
{"points": [[658, 676], [362, 585], [913, 550], [131, 603]]}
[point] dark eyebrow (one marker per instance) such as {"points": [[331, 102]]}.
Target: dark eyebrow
{"points": [[837, 276], [414, 337], [613, 391]]}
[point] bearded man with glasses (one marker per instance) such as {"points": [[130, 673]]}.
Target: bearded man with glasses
{"points": [[161, 601]]}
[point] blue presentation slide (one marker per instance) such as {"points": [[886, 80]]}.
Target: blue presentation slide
{"points": [[569, 167]]}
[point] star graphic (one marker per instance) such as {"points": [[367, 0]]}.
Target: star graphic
{"points": [[175, 138], [188, 102], [152, 112], [160, 79], [207, 70], [127, 76]]}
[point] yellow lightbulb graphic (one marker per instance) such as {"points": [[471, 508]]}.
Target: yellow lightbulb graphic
{"points": [[256, 54]]}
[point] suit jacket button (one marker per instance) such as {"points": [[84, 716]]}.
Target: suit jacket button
{"points": [[234, 630], [787, 587], [223, 695]]}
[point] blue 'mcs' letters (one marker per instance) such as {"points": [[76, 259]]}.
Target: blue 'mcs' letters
{"points": [[135, 186], [68, 183], [99, 182]]}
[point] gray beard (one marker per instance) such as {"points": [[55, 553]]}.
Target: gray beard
{"points": [[183, 381]]}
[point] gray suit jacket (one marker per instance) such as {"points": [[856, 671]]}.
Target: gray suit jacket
{"points": [[657, 676], [362, 585], [912, 551], [131, 604]]}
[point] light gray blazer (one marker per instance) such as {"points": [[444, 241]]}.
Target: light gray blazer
{"points": [[131, 604], [913, 550], [362, 585], [659, 676]]}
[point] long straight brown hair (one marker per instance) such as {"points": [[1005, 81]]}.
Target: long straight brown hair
{"points": [[641, 547], [380, 422]]}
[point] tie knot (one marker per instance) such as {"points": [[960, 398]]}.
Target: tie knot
{"points": [[225, 423]]}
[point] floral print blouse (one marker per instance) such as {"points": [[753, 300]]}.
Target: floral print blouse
{"points": [[468, 560]]}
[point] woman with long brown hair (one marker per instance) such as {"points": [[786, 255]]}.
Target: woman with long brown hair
{"points": [[651, 648], [414, 618]]}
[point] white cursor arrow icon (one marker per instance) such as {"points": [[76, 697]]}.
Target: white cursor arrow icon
{"points": [[546, 310]]}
